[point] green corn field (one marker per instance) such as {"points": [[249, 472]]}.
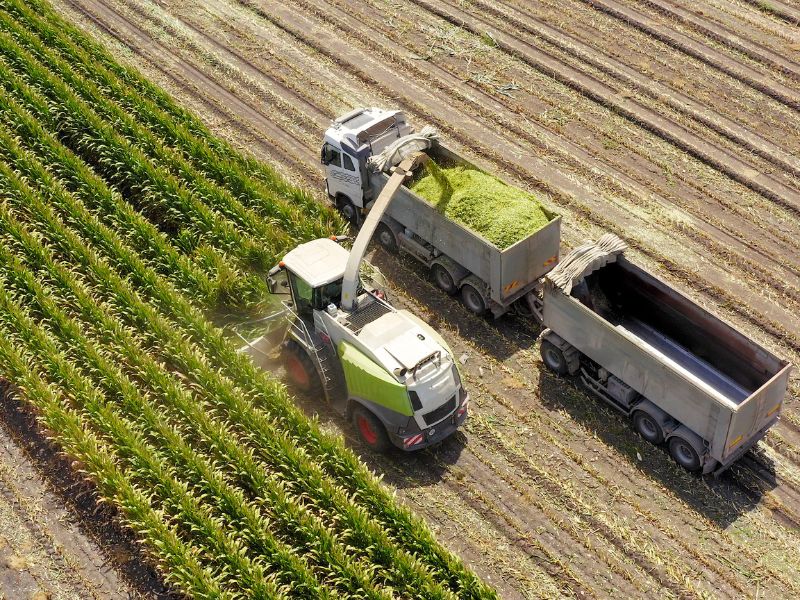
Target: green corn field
{"points": [[123, 225]]}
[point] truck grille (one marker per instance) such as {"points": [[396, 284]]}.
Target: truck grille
{"points": [[439, 413]]}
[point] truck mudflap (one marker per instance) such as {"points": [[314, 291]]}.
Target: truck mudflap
{"points": [[743, 449], [411, 441]]}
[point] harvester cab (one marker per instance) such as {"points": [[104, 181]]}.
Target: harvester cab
{"points": [[385, 369]]}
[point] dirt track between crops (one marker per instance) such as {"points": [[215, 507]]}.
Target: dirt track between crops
{"points": [[674, 127]]}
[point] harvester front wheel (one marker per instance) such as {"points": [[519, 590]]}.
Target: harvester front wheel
{"points": [[371, 430], [300, 370]]}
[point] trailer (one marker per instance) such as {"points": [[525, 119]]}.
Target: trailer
{"points": [[461, 261], [682, 375]]}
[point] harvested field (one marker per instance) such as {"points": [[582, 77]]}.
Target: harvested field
{"points": [[676, 127]]}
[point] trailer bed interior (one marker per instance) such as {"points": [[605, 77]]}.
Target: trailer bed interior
{"points": [[702, 347]]}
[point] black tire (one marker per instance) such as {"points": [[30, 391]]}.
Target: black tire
{"points": [[300, 370], [684, 454], [647, 427], [473, 299], [443, 280], [370, 430], [348, 210], [386, 238], [553, 358]]}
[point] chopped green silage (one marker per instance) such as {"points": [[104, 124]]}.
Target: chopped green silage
{"points": [[481, 202]]}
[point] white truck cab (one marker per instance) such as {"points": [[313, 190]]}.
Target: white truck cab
{"points": [[348, 142]]}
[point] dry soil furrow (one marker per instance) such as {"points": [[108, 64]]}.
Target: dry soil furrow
{"points": [[718, 32], [764, 27], [764, 82], [600, 92], [790, 14], [524, 19]]}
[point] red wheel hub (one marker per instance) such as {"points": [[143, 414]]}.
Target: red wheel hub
{"points": [[365, 427], [297, 372]]}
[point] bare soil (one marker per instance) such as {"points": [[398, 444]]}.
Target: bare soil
{"points": [[674, 125]]}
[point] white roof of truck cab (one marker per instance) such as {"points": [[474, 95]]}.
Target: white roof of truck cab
{"points": [[358, 127], [317, 262]]}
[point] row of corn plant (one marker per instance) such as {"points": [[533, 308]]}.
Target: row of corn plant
{"points": [[255, 182], [283, 216], [219, 283], [153, 192], [218, 548], [316, 540], [204, 480], [401, 569]]}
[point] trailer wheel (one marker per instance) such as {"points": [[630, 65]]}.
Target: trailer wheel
{"points": [[472, 299], [684, 453], [444, 280], [553, 358], [300, 370], [648, 427], [386, 238], [371, 430]]}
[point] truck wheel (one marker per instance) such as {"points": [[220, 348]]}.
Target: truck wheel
{"points": [[300, 370], [684, 453], [444, 280], [472, 299], [386, 238], [648, 427], [554, 358], [371, 430], [348, 210]]}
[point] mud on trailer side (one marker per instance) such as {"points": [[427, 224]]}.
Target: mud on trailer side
{"points": [[684, 376]]}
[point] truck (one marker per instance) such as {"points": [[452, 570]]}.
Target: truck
{"points": [[489, 279], [684, 377], [382, 368]]}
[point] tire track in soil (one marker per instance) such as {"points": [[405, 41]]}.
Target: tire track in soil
{"points": [[524, 19], [712, 57], [779, 9]]}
